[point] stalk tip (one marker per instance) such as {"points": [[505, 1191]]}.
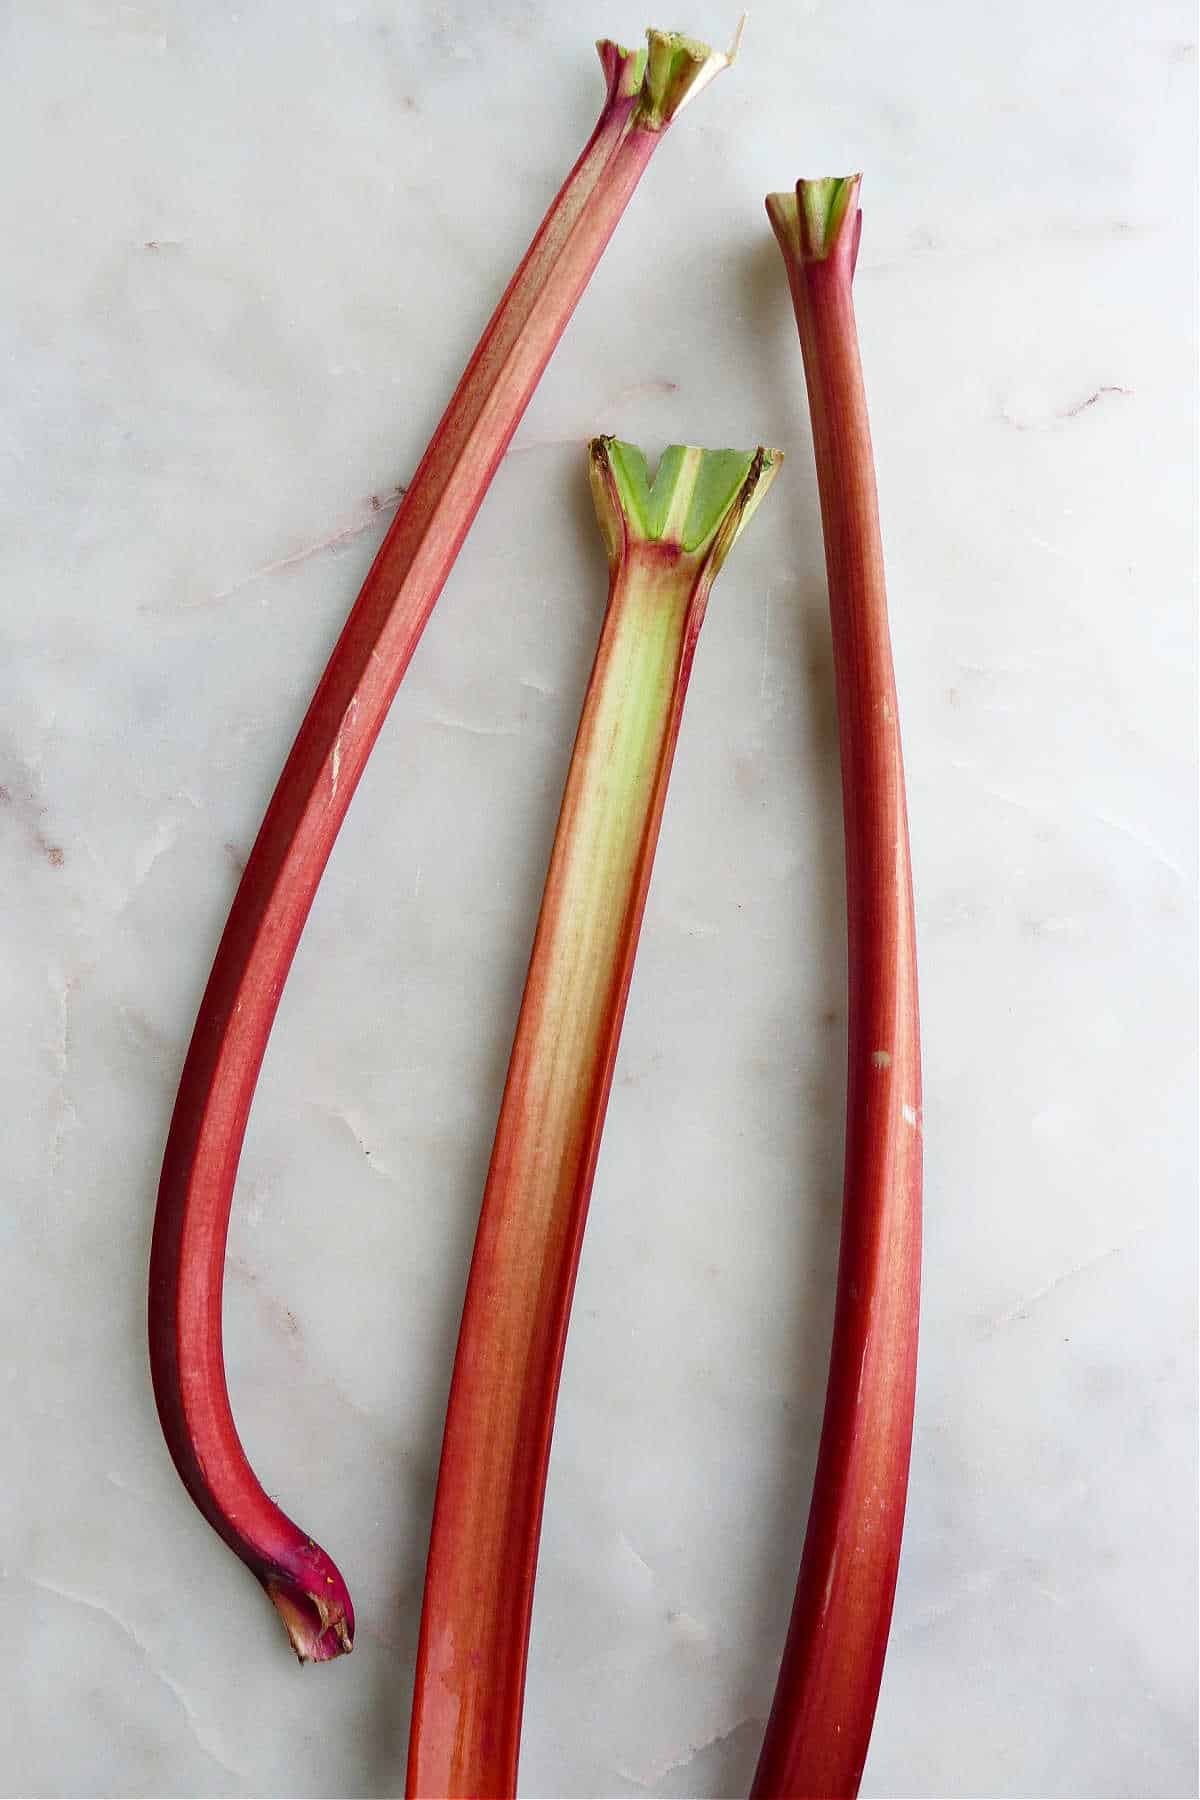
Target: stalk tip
{"points": [[676, 69], [698, 503], [820, 220], [623, 69]]}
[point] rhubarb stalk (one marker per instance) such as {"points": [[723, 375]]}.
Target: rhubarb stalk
{"points": [[645, 91], [665, 545], [820, 1724]]}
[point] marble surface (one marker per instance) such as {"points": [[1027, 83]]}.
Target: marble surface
{"points": [[246, 252]]}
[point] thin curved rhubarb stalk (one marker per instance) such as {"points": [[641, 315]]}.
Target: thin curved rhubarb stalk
{"points": [[645, 91], [665, 547], [820, 1724]]}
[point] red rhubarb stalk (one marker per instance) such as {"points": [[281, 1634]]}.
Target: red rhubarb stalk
{"points": [[646, 90], [820, 1724], [665, 547]]}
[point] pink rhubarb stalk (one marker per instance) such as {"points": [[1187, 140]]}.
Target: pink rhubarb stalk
{"points": [[646, 90], [665, 547], [820, 1724]]}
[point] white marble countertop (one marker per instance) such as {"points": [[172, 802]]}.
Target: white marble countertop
{"points": [[246, 252]]}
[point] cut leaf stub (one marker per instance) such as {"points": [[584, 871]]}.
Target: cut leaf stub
{"points": [[698, 502], [817, 216], [677, 68]]}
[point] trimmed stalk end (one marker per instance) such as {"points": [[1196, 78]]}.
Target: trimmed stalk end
{"points": [[698, 503], [623, 69], [316, 1611], [677, 69], [821, 220]]}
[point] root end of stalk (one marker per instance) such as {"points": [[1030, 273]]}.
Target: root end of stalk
{"points": [[319, 1627]]}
